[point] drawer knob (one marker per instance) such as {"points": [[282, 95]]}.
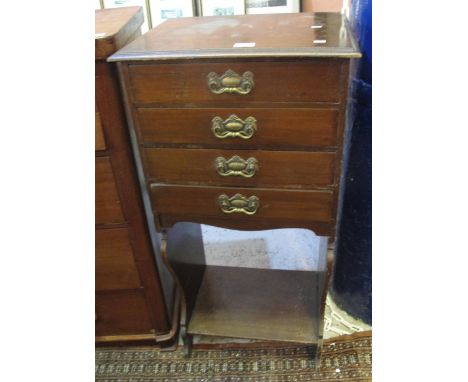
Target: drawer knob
{"points": [[230, 82], [234, 127], [238, 204], [236, 166]]}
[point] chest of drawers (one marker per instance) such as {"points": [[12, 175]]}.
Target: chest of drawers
{"points": [[130, 303], [238, 122]]}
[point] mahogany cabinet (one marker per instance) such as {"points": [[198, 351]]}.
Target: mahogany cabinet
{"points": [[130, 302], [239, 122]]}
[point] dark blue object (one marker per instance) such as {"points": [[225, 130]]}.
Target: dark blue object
{"points": [[352, 278]]}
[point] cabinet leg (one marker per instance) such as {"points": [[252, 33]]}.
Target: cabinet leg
{"points": [[169, 345], [318, 352], [187, 341]]}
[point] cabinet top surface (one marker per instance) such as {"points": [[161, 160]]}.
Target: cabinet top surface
{"points": [[269, 35], [114, 27]]}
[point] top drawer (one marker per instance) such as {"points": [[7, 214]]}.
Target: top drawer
{"points": [[173, 83]]}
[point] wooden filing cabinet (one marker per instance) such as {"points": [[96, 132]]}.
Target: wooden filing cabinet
{"points": [[130, 303], [238, 122]]}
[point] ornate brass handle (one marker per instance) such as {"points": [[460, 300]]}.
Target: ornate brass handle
{"points": [[236, 166], [234, 127], [230, 82], [238, 204]]}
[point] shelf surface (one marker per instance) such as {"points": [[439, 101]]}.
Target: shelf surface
{"points": [[264, 304]]}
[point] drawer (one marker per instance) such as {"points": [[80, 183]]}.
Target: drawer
{"points": [[108, 209], [294, 169], [188, 83], [115, 266], [249, 127], [99, 141], [123, 312], [269, 204]]}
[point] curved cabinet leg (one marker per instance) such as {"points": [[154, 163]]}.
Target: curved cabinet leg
{"points": [[326, 267], [183, 254]]}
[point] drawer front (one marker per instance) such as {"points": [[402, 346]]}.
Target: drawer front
{"points": [[262, 203], [115, 266], [99, 141], [317, 81], [281, 127], [108, 209], [122, 312], [294, 169]]}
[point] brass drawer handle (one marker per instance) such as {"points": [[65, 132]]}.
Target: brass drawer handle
{"points": [[236, 166], [238, 204], [234, 127], [230, 82]]}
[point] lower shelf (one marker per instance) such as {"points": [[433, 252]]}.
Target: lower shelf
{"points": [[263, 304]]}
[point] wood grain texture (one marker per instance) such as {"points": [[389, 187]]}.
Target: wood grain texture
{"points": [[315, 81], [108, 206], [114, 27], [115, 265], [301, 170], [299, 101], [276, 127], [122, 312], [274, 204], [130, 303], [273, 35], [262, 304], [110, 108], [99, 141]]}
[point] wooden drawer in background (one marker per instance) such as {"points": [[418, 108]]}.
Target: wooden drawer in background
{"points": [[115, 265], [108, 209], [317, 81], [273, 204], [293, 169], [279, 127], [130, 302], [122, 312], [99, 141]]}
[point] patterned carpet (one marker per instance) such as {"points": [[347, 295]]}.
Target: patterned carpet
{"points": [[344, 358]]}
